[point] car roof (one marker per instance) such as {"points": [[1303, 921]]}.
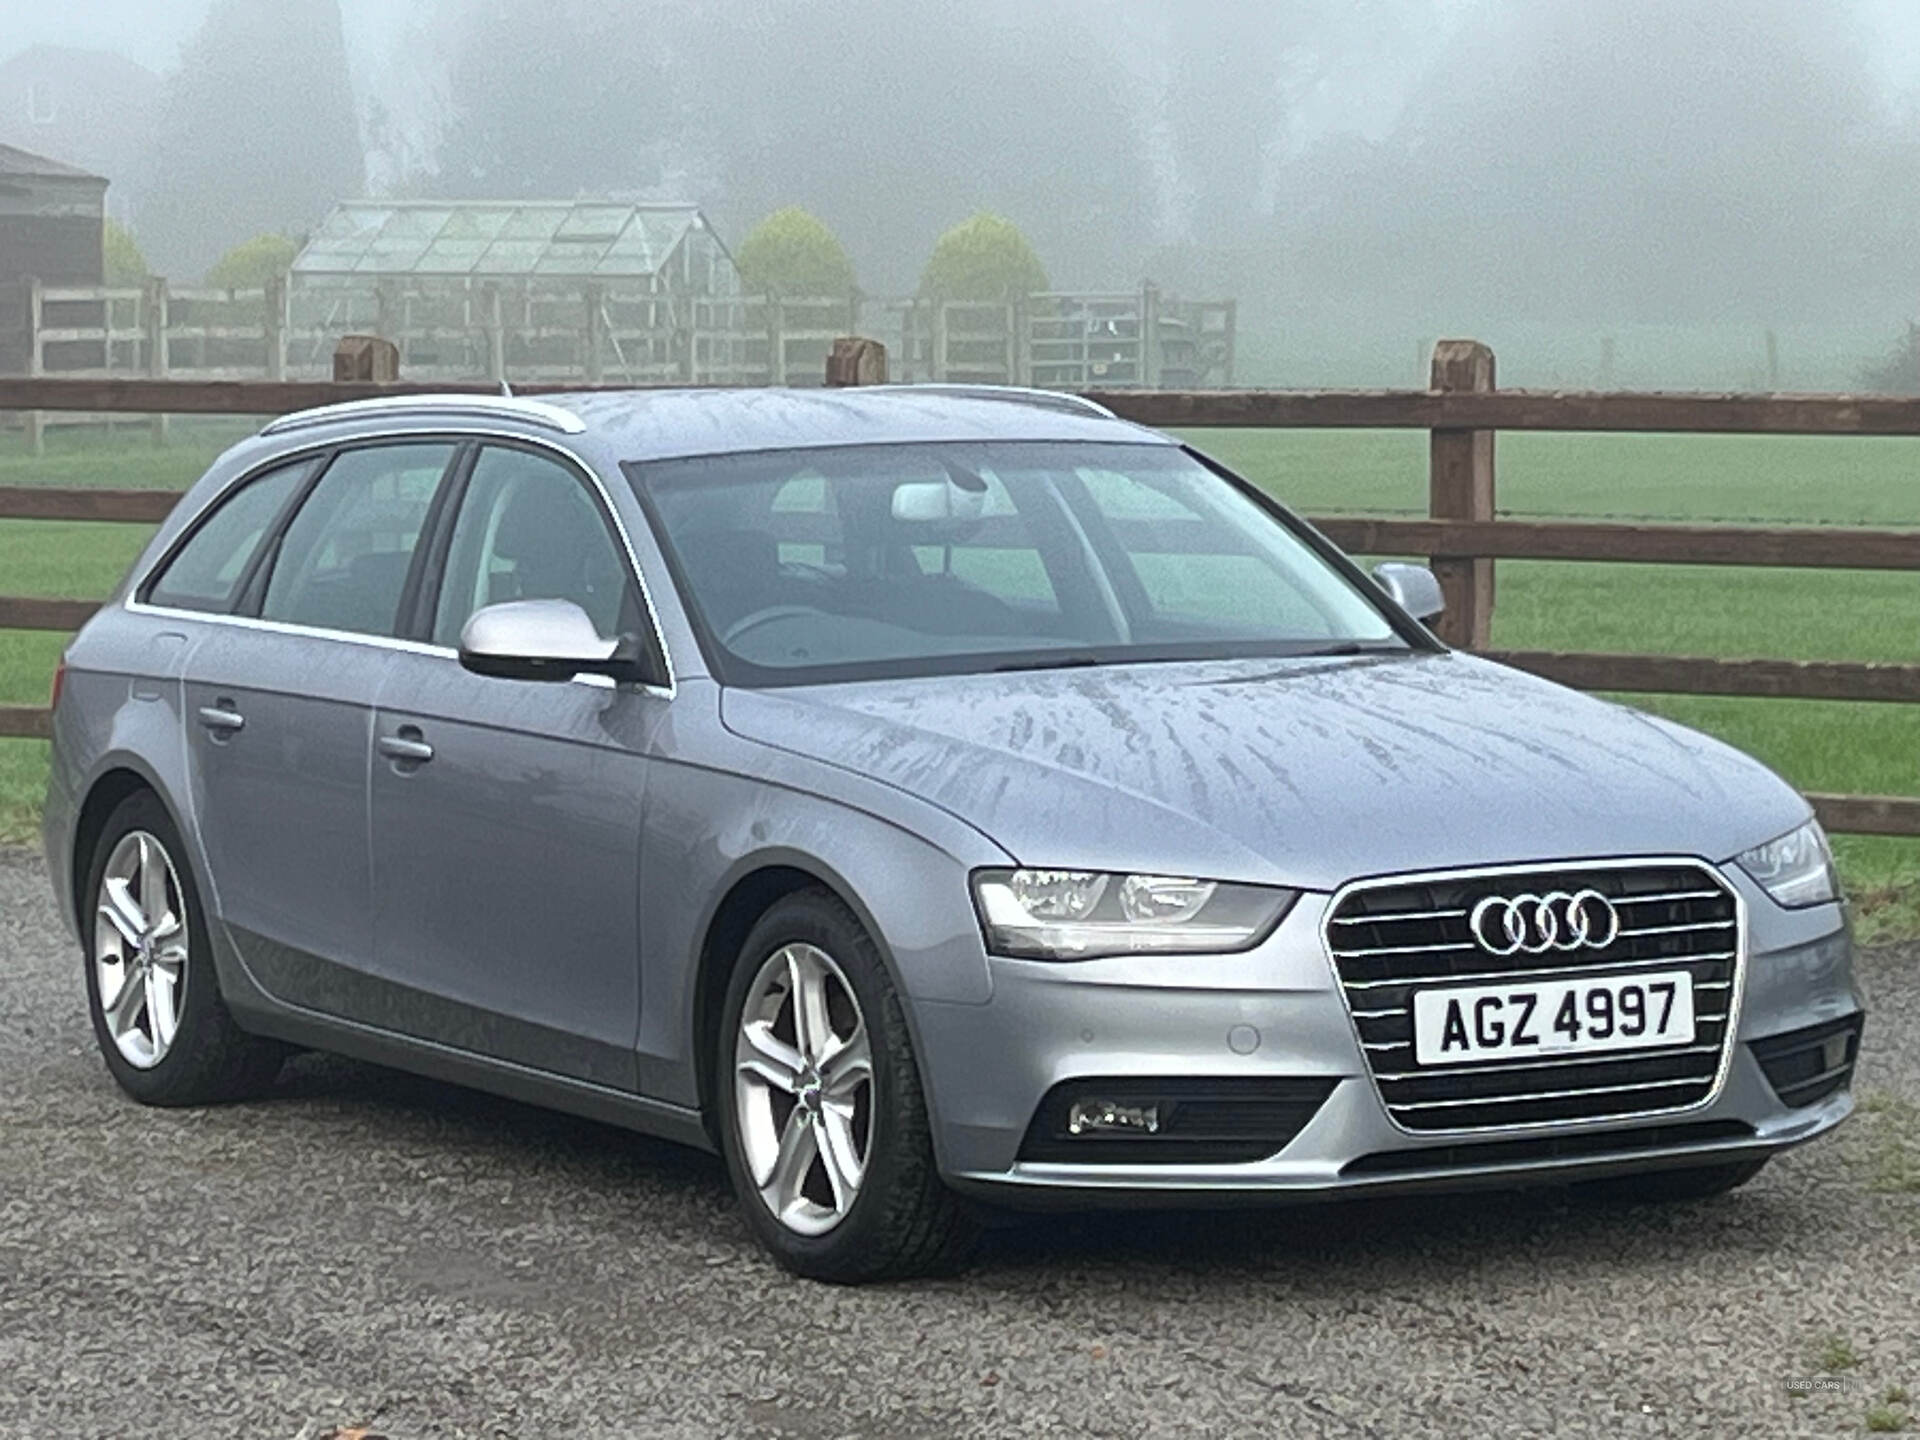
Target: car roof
{"points": [[644, 425], [611, 427]]}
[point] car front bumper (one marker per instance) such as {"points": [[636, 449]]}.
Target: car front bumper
{"points": [[1276, 1014]]}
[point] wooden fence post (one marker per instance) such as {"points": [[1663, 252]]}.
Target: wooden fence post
{"points": [[1023, 341], [857, 361], [386, 309], [365, 360], [159, 360], [776, 340], [596, 296], [1150, 335], [937, 360], [496, 328], [36, 422], [274, 329], [1460, 487]]}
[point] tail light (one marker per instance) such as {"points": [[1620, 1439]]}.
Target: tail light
{"points": [[59, 683]]}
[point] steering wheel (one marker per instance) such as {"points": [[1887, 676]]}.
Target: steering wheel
{"points": [[766, 616]]}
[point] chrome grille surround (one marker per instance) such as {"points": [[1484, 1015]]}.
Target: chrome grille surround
{"points": [[1388, 936]]}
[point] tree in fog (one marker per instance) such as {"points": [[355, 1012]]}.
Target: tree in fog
{"points": [[125, 265], [1899, 372], [1721, 159], [897, 119], [257, 132], [792, 253], [891, 119], [549, 99], [983, 258]]}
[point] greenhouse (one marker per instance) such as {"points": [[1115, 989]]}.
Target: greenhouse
{"points": [[558, 290]]}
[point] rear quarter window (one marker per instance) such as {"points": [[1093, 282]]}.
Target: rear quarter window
{"points": [[205, 573]]}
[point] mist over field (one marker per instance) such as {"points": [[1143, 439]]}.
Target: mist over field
{"points": [[1609, 191]]}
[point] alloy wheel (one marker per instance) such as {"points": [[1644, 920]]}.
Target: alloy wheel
{"points": [[140, 949], [803, 1089]]}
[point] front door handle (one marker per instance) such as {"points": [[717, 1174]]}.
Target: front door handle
{"points": [[222, 719], [407, 746]]}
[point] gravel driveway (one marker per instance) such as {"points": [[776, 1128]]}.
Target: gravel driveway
{"points": [[367, 1248]]}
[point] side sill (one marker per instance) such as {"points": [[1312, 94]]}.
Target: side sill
{"points": [[460, 1067]]}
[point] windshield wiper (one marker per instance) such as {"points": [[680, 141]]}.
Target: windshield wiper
{"points": [[1348, 647], [1069, 661]]}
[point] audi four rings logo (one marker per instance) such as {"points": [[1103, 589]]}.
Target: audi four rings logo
{"points": [[1535, 924]]}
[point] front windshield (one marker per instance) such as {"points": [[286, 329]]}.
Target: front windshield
{"points": [[892, 560]]}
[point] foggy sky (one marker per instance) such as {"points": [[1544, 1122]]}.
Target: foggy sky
{"points": [[1405, 165]]}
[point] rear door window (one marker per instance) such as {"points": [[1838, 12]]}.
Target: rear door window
{"points": [[205, 573], [343, 562]]}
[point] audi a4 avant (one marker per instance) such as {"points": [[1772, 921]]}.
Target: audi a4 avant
{"points": [[934, 800]]}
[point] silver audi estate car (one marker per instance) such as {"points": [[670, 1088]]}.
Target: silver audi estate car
{"points": [[934, 800]]}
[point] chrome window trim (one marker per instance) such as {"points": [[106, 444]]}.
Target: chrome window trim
{"points": [[281, 627], [1599, 1122], [534, 412], [134, 605]]}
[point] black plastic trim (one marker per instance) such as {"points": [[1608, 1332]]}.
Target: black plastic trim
{"points": [[1795, 1063], [1587, 1145], [419, 597], [1207, 1122]]}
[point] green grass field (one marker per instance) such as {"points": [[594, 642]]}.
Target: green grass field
{"points": [[1835, 615]]}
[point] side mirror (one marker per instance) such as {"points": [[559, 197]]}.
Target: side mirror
{"points": [[1414, 588], [545, 640]]}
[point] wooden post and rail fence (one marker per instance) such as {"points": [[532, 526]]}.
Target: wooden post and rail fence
{"points": [[589, 333], [1461, 535]]}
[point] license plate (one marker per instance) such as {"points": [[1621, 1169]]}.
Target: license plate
{"points": [[1552, 1017]]}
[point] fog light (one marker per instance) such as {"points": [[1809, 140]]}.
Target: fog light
{"points": [[1833, 1054], [1109, 1117]]}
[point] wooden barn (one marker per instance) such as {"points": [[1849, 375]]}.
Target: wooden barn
{"points": [[51, 217]]}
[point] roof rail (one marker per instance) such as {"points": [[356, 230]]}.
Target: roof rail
{"points": [[1014, 394], [494, 407]]}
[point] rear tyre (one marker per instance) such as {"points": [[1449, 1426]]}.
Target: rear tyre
{"points": [[166, 1035], [822, 1118], [1667, 1187]]}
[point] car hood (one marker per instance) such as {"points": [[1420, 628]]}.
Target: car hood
{"points": [[1303, 772]]}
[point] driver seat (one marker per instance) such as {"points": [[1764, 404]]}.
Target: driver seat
{"points": [[734, 572]]}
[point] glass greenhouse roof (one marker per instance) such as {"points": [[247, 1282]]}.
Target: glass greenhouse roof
{"points": [[552, 238]]}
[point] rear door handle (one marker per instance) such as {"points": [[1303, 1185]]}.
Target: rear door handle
{"points": [[221, 719], [406, 746]]}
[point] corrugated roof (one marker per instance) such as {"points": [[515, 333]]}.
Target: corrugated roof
{"points": [[577, 239], [14, 161]]}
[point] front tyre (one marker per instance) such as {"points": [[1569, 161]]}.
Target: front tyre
{"points": [[163, 1029], [822, 1119]]}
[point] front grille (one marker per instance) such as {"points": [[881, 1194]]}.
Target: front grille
{"points": [[1392, 937]]}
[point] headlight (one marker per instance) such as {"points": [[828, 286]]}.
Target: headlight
{"points": [[1796, 869], [1082, 914]]}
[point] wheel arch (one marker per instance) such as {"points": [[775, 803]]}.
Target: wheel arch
{"points": [[758, 884], [106, 792]]}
